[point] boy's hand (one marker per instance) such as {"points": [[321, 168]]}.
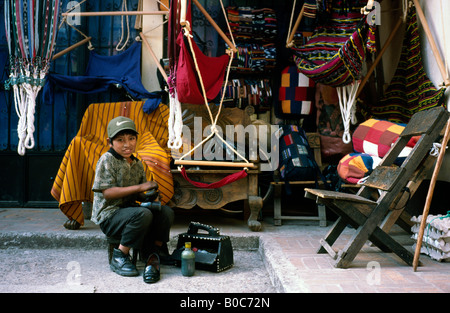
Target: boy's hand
{"points": [[149, 185]]}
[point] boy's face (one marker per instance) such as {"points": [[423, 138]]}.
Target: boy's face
{"points": [[124, 144]]}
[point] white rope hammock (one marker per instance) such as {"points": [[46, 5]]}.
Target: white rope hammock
{"points": [[177, 108], [347, 96]]}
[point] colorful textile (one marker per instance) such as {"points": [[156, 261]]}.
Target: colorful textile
{"points": [[296, 93], [103, 71], [335, 53], [375, 137], [211, 69], [355, 166], [410, 90], [372, 139], [75, 176]]}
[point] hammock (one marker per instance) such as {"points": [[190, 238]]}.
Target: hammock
{"points": [[186, 62], [195, 78], [31, 35], [410, 90], [335, 53], [123, 69]]}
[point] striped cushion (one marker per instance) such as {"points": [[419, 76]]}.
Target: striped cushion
{"points": [[75, 177]]}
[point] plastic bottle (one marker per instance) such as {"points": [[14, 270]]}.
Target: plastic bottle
{"points": [[187, 260]]}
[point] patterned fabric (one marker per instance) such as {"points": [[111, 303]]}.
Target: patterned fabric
{"points": [[355, 166], [296, 93], [375, 137], [410, 90], [372, 139], [75, 176], [335, 53]]}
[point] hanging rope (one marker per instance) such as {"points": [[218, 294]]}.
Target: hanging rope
{"points": [[124, 8], [347, 95], [31, 28]]}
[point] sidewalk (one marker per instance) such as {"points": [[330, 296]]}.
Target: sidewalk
{"points": [[288, 251]]}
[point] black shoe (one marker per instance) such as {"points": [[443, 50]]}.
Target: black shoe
{"points": [[163, 252], [122, 265], [152, 272]]}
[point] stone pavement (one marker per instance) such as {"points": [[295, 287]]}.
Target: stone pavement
{"points": [[288, 252]]}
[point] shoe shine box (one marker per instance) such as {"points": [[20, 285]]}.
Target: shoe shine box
{"points": [[213, 252]]}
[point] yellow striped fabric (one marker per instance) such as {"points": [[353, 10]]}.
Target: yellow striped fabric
{"points": [[75, 177]]}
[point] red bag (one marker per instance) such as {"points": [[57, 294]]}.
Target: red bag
{"points": [[212, 70]]}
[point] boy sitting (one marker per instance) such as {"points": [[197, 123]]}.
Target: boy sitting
{"points": [[119, 183]]}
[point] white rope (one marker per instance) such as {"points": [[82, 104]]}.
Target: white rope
{"points": [[435, 150], [347, 95], [124, 8], [175, 122], [20, 104]]}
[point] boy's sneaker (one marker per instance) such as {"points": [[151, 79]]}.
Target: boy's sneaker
{"points": [[122, 265]]}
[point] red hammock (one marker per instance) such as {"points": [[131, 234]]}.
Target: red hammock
{"points": [[212, 69], [191, 70], [224, 181]]}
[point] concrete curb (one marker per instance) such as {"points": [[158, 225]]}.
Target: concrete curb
{"points": [[270, 252]]}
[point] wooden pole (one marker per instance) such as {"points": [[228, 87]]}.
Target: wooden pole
{"points": [[426, 209], [433, 45], [214, 163], [68, 49], [378, 58], [115, 13], [296, 25], [160, 68], [216, 27]]}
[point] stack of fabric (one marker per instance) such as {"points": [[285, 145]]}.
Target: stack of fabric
{"points": [[254, 31], [436, 236]]}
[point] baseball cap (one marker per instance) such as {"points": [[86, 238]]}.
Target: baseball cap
{"points": [[120, 123]]}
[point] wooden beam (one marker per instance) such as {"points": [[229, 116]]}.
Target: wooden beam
{"points": [[153, 55], [72, 47], [296, 25], [426, 208], [378, 58], [115, 13], [214, 163]]}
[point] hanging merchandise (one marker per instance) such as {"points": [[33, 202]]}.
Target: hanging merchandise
{"points": [[123, 69], [192, 70], [31, 28], [297, 93], [334, 55], [410, 90]]}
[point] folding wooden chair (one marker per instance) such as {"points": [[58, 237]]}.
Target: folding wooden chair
{"points": [[366, 209]]}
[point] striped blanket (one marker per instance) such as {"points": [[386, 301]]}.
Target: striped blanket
{"points": [[410, 90], [335, 53], [75, 177]]}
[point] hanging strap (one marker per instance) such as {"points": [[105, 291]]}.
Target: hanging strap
{"points": [[224, 181]]}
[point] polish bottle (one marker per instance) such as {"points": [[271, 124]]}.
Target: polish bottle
{"points": [[187, 260]]}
